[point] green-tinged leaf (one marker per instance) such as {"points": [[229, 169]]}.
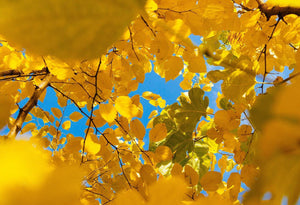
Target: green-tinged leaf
{"points": [[201, 148], [225, 104], [237, 85], [261, 111], [189, 113], [217, 75]]}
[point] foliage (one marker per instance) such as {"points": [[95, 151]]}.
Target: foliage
{"points": [[93, 54]]}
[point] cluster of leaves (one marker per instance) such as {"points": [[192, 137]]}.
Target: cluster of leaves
{"points": [[253, 136]]}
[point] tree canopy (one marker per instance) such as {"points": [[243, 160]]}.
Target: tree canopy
{"points": [[93, 54]]}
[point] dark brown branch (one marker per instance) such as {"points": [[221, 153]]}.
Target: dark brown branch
{"points": [[146, 23], [17, 126], [92, 110], [20, 73], [289, 78]]}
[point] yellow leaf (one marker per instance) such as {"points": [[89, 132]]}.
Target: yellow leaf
{"points": [[22, 165], [211, 181], [84, 30], [227, 119], [62, 101], [28, 127], [222, 119], [214, 199], [197, 64], [75, 116], [167, 191], [172, 67], [158, 133], [244, 132], [131, 197], [291, 3], [92, 144], [14, 60], [54, 187], [138, 129], [191, 176], [150, 96], [177, 170], [163, 153], [161, 102], [125, 107], [222, 163], [148, 174], [249, 174], [5, 105], [56, 112], [152, 114], [234, 184], [238, 84], [73, 145], [108, 112], [66, 125]]}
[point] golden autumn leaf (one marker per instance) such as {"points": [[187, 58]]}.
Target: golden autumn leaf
{"points": [[234, 184], [148, 174], [28, 127], [172, 67], [167, 191], [197, 64], [211, 181], [150, 96], [92, 144], [74, 145], [5, 105], [191, 176], [56, 112], [244, 132], [138, 129], [290, 3], [75, 116], [131, 196], [126, 107], [108, 112], [163, 153], [54, 187], [84, 30], [21, 155], [66, 125], [159, 132], [249, 174]]}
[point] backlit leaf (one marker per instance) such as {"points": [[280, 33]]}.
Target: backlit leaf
{"points": [[56, 112], [66, 125], [75, 116], [211, 181], [92, 144], [96, 25], [125, 107], [137, 129], [108, 112], [159, 132]]}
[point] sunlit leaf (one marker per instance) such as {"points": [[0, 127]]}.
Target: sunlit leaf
{"points": [[87, 34]]}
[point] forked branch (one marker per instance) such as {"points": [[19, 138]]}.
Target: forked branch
{"points": [[17, 126]]}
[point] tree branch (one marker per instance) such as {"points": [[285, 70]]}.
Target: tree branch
{"points": [[20, 73], [17, 126]]}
